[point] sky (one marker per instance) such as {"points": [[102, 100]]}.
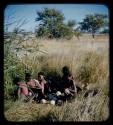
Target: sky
{"points": [[19, 12]]}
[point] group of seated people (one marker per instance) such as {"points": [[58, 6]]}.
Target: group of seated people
{"points": [[42, 89]]}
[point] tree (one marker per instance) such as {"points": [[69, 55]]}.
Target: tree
{"points": [[92, 23], [71, 23], [51, 24], [65, 31], [77, 32]]}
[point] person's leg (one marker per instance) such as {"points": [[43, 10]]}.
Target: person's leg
{"points": [[22, 97], [40, 96]]}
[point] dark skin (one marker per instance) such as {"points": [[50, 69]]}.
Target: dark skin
{"points": [[43, 83], [70, 85], [28, 78]]}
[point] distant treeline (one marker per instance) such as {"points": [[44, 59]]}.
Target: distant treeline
{"points": [[51, 25]]}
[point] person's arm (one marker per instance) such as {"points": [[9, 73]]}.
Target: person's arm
{"points": [[38, 84], [73, 87], [19, 92], [42, 87]]}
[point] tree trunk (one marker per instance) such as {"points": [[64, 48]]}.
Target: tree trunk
{"points": [[93, 35]]}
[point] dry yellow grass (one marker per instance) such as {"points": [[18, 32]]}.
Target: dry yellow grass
{"points": [[80, 109], [88, 60]]}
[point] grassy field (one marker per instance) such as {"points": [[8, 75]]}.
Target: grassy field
{"points": [[88, 60]]}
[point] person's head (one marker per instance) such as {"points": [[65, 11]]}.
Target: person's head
{"points": [[17, 80], [65, 70], [40, 75], [27, 76]]}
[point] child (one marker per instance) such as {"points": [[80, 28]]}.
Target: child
{"points": [[43, 83], [68, 84], [66, 72], [35, 86], [22, 90], [32, 82]]}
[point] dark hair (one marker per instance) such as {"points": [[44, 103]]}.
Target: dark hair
{"points": [[66, 70], [67, 75], [17, 79], [27, 74], [40, 73]]}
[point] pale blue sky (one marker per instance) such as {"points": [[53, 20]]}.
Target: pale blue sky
{"points": [[28, 12]]}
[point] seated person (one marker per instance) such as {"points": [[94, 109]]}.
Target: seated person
{"points": [[68, 84], [66, 72], [33, 83], [52, 85], [43, 84], [22, 90], [34, 86]]}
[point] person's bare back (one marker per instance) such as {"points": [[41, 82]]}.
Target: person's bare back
{"points": [[23, 88]]}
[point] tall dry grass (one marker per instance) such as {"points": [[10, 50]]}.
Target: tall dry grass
{"points": [[80, 109], [88, 60]]}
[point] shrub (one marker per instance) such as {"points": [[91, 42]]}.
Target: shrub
{"points": [[90, 69]]}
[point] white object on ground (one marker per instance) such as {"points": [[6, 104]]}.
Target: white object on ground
{"points": [[52, 102], [43, 101], [58, 93]]}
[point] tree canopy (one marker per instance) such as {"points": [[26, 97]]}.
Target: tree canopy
{"points": [[51, 24], [91, 23]]}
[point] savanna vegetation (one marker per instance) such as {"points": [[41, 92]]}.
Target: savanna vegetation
{"points": [[53, 47]]}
